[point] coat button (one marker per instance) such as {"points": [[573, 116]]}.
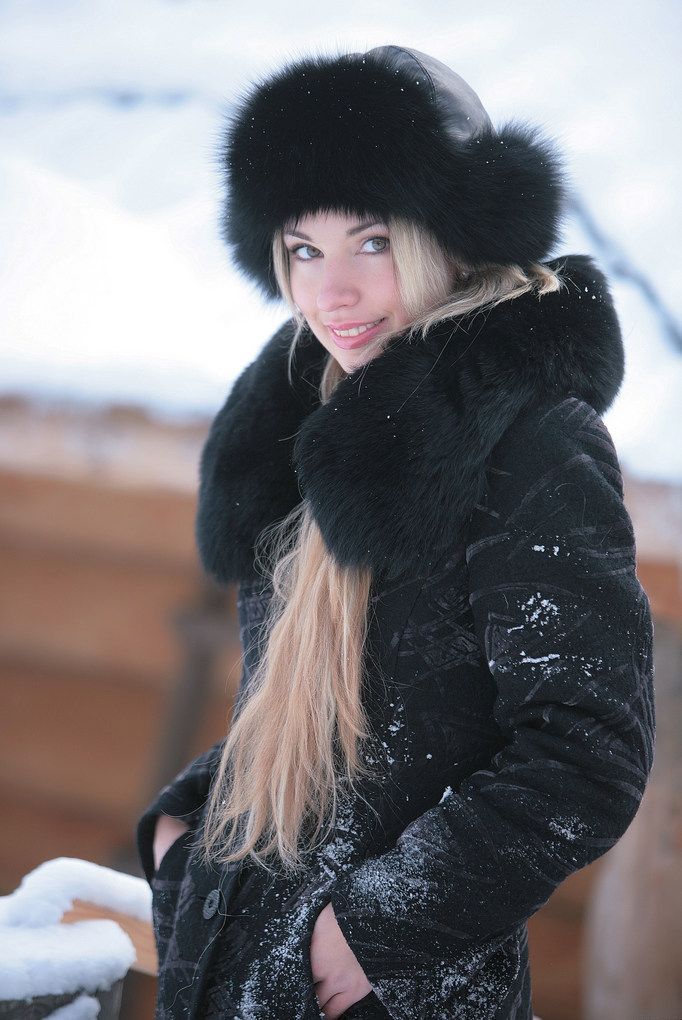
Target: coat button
{"points": [[211, 904]]}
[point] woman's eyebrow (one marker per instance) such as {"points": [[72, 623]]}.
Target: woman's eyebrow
{"points": [[353, 230]]}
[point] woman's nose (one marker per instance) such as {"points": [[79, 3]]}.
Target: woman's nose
{"points": [[337, 288]]}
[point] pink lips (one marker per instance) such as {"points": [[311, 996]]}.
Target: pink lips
{"points": [[350, 342]]}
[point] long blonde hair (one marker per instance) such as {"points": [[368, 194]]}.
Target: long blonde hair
{"points": [[294, 746]]}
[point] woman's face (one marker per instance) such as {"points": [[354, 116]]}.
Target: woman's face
{"points": [[342, 278]]}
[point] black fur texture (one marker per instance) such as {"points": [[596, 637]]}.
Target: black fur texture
{"points": [[395, 462], [366, 134]]}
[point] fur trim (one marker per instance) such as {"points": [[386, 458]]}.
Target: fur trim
{"points": [[394, 463], [390, 131]]}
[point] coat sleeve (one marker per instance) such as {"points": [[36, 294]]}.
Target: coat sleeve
{"points": [[184, 797], [566, 630]]}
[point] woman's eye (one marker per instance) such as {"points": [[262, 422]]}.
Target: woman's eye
{"points": [[384, 241], [300, 248], [297, 251]]}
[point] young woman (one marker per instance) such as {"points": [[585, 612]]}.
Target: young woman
{"points": [[446, 705]]}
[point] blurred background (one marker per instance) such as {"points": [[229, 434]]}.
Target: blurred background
{"points": [[122, 327]]}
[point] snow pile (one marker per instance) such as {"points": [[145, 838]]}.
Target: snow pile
{"points": [[40, 956], [57, 959], [82, 1008], [46, 893]]}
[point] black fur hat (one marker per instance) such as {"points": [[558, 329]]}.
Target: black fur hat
{"points": [[388, 132]]}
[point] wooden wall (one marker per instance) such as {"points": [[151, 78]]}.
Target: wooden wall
{"points": [[98, 559]]}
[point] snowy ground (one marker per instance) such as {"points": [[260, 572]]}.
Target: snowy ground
{"points": [[114, 284]]}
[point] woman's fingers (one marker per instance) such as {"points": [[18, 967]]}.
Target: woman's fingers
{"points": [[337, 1005], [168, 829]]}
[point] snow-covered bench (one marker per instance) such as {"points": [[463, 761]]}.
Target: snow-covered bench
{"points": [[68, 936]]}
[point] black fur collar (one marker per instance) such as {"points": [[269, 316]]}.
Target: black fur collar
{"points": [[393, 464]]}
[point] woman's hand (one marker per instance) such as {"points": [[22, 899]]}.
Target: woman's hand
{"points": [[168, 829], [338, 977]]}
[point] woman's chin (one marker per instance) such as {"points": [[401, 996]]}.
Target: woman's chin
{"points": [[350, 361]]}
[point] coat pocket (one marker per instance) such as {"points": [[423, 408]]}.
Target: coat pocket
{"points": [[165, 884], [369, 1007], [167, 861]]}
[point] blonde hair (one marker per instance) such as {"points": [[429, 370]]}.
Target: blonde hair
{"points": [[294, 745]]}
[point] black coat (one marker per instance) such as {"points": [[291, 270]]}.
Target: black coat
{"points": [[510, 688]]}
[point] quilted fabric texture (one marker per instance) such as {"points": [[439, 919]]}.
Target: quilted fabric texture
{"points": [[513, 718]]}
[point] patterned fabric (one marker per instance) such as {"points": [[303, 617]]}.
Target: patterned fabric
{"points": [[172, 899], [566, 629], [265, 940], [510, 692]]}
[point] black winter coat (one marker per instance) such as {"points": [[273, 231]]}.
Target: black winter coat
{"points": [[510, 688]]}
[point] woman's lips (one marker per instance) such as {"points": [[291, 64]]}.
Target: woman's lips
{"points": [[350, 342]]}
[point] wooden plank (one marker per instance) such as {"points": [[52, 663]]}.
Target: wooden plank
{"points": [[555, 949], [89, 518], [140, 933], [93, 740], [109, 444], [569, 901], [36, 829], [656, 511], [84, 613], [139, 996], [556, 939], [662, 581], [83, 740]]}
